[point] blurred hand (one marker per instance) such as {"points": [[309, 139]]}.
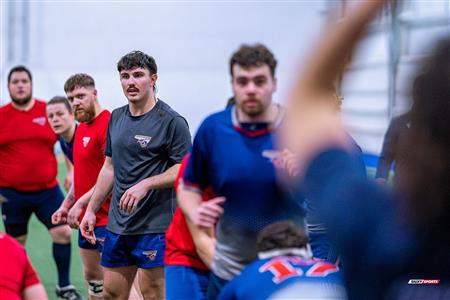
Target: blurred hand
{"points": [[60, 215], [74, 215], [130, 199], [87, 226], [208, 213]]}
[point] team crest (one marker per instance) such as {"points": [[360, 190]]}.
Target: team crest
{"points": [[39, 121], [150, 254], [142, 140], [86, 140]]}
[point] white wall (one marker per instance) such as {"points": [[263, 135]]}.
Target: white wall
{"points": [[191, 42]]}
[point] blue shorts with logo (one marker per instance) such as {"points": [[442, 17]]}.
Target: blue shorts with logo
{"points": [[185, 283], [100, 232], [19, 206], [146, 251]]}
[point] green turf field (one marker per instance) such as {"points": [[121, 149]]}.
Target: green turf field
{"points": [[39, 248]]}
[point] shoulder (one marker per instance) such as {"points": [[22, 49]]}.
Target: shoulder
{"points": [[166, 111], [9, 244], [119, 111], [216, 119]]}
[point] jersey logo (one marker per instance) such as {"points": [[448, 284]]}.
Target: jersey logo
{"points": [[143, 140], [86, 140], [282, 268], [150, 254], [39, 121]]}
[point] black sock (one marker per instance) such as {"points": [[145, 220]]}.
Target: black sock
{"points": [[61, 255]]}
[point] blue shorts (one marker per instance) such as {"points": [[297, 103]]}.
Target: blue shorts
{"points": [[100, 232], [185, 283], [146, 251], [20, 205]]}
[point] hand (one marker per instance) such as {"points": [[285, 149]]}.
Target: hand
{"points": [[60, 215], [87, 226], [130, 199], [68, 180], [207, 214], [74, 215]]}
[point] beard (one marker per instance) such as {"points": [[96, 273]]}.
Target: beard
{"points": [[254, 110], [21, 101], [85, 115]]}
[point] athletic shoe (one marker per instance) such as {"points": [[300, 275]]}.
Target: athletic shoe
{"points": [[68, 292]]}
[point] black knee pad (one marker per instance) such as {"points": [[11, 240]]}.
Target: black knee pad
{"points": [[16, 230]]}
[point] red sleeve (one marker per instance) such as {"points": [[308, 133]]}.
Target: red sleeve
{"points": [[30, 276]]}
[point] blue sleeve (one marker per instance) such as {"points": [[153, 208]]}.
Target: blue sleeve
{"points": [[65, 149], [361, 219], [196, 174]]}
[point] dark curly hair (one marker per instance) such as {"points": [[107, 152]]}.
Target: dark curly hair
{"points": [[281, 235], [253, 56]]}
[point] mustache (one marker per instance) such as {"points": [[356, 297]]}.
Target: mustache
{"points": [[132, 89]]}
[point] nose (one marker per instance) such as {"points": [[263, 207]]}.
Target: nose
{"points": [[250, 88]]}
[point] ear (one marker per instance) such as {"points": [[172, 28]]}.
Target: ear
{"points": [[275, 84], [95, 92], [153, 79]]}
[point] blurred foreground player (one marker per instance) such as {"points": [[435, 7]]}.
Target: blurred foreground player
{"points": [[285, 269], [28, 173], [386, 241]]}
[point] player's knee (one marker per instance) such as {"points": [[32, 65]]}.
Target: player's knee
{"points": [[153, 290], [92, 274], [110, 293], [95, 288], [61, 234]]}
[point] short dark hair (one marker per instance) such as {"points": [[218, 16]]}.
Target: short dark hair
{"points": [[253, 56], [78, 80], [19, 68], [281, 235], [61, 99], [137, 59]]}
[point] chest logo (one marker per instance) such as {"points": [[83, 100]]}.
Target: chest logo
{"points": [[39, 121], [143, 140], [86, 140]]}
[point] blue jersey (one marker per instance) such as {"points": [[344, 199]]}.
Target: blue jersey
{"points": [[286, 277], [67, 147], [237, 161]]}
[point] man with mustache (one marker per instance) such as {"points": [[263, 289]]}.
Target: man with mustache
{"points": [[145, 144], [28, 173], [233, 152], [88, 156]]}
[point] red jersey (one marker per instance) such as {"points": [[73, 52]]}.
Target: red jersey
{"points": [[27, 160], [180, 247], [88, 159], [16, 272]]}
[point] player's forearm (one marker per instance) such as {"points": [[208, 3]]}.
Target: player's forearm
{"points": [[70, 198], [204, 241], [84, 200], [102, 188], [163, 180], [188, 201]]}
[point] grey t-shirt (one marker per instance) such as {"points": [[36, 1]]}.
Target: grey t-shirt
{"points": [[141, 147]]}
